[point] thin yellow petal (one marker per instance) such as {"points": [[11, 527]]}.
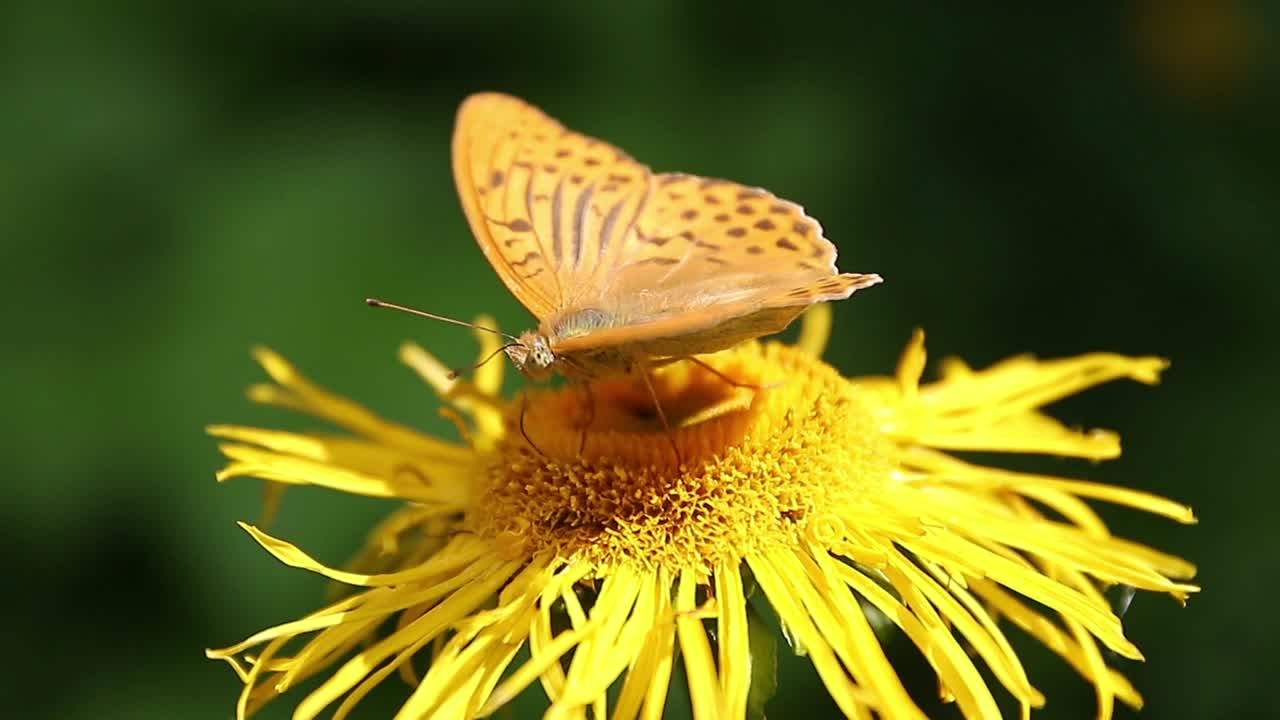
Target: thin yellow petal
{"points": [[815, 330], [485, 642], [911, 366], [458, 605], [343, 412], [646, 684], [840, 620], [734, 645], [325, 649], [467, 675], [493, 671], [370, 606], [300, 444], [344, 605], [488, 377], [247, 461], [487, 410], [1098, 670], [1106, 558], [626, 648], [955, 670], [995, 409], [979, 562], [371, 467], [462, 550], [374, 679], [945, 468], [591, 671], [700, 667], [1018, 436], [852, 700], [540, 639], [971, 692], [950, 596], [545, 654], [1053, 638], [454, 705], [245, 705]]}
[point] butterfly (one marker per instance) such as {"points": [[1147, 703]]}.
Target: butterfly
{"points": [[624, 267]]}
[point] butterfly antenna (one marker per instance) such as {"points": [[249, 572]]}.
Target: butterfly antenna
{"points": [[455, 372], [375, 302]]}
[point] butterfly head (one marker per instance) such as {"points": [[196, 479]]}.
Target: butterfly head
{"points": [[532, 356]]}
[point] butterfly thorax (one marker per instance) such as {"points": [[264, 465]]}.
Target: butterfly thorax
{"points": [[592, 361], [536, 355]]}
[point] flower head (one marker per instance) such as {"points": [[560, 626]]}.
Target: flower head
{"points": [[572, 523]]}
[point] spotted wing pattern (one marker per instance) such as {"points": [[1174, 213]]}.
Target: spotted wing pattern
{"points": [[705, 252], [545, 203], [603, 252]]}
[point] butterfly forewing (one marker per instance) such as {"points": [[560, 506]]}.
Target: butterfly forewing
{"points": [[545, 203]]}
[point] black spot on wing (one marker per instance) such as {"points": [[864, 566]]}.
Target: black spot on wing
{"points": [[528, 258]]}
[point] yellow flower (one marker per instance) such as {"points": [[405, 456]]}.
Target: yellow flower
{"points": [[834, 500]]}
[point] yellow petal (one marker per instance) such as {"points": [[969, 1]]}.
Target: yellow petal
{"points": [[313, 399], [840, 620], [412, 637], [463, 551], [700, 668], [598, 662], [645, 687], [247, 461], [488, 378], [815, 330], [469, 398], [734, 644], [911, 366], [979, 562], [852, 699]]}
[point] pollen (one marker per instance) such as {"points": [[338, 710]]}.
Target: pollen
{"points": [[766, 446]]}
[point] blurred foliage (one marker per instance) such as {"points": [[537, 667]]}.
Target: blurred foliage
{"points": [[180, 181]]}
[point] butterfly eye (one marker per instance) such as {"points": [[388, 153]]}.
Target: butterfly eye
{"points": [[542, 354]]}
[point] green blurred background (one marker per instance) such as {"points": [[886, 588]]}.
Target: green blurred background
{"points": [[178, 182]]}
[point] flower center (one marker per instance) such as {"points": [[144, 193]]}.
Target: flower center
{"points": [[756, 466]]}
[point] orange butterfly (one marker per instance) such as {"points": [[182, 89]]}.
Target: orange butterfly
{"points": [[622, 266]]}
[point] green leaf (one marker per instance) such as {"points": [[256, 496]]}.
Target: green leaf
{"points": [[763, 642]]}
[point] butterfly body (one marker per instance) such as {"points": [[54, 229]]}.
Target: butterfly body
{"points": [[533, 355], [550, 350], [624, 267]]}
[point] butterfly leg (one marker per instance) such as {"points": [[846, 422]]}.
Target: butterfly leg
{"points": [[591, 415], [728, 380], [662, 415], [524, 403]]}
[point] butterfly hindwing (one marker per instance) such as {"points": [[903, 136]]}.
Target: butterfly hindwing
{"points": [[717, 225], [714, 262]]}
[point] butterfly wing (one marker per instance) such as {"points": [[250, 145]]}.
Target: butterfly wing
{"points": [[545, 203], [605, 253], [709, 263]]}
